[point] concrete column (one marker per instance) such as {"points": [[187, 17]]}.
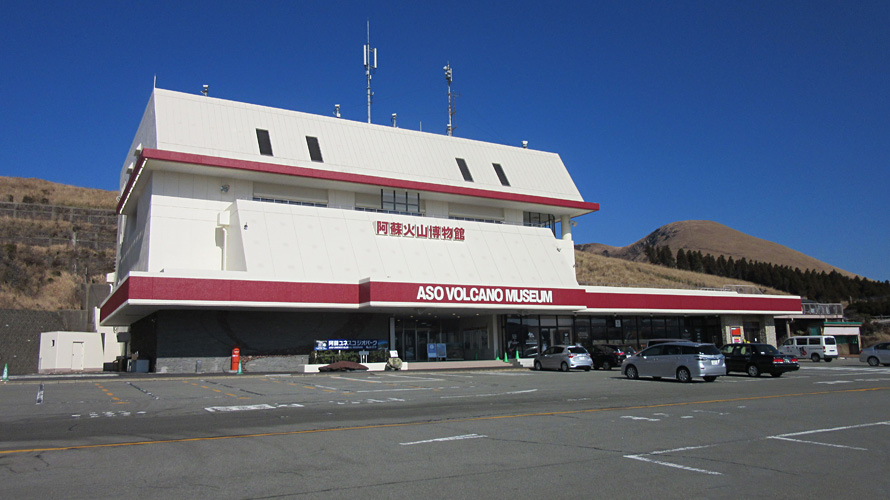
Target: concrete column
{"points": [[769, 330], [566, 222]]}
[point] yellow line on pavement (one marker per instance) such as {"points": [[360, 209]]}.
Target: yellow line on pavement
{"points": [[429, 422]]}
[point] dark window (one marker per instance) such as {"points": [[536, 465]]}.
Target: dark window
{"points": [[405, 202], [501, 175], [262, 137], [314, 149], [536, 219], [464, 170]]}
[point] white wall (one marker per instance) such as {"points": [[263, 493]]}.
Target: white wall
{"points": [[289, 242], [70, 352]]}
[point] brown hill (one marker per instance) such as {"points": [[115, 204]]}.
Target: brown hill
{"points": [[22, 190], [593, 269], [54, 240], [713, 238]]}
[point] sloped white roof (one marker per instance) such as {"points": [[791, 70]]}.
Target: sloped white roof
{"points": [[195, 124]]}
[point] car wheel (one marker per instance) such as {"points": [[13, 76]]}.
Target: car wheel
{"points": [[631, 372], [587, 368], [564, 366], [537, 365], [829, 360], [873, 361], [710, 378], [753, 371], [607, 365], [776, 375], [815, 358], [683, 375]]}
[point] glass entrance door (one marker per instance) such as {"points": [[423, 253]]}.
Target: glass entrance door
{"points": [[423, 339]]}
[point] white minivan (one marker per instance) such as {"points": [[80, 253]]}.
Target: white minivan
{"points": [[816, 347]]}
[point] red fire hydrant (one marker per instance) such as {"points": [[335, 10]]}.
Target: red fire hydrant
{"points": [[236, 359]]}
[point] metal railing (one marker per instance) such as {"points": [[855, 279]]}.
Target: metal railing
{"points": [[822, 309]]}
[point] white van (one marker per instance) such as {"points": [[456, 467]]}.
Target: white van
{"points": [[813, 347]]}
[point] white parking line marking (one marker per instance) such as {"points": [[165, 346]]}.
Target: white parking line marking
{"points": [[832, 429], [452, 438], [642, 418], [642, 458], [213, 409], [489, 395], [818, 443], [410, 378], [786, 437]]}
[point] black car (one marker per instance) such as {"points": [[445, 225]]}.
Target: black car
{"points": [[755, 359], [607, 356]]}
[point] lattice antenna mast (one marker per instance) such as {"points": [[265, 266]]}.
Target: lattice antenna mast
{"points": [[370, 67], [448, 78]]}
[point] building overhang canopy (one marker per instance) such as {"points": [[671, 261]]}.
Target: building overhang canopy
{"points": [[142, 294]]}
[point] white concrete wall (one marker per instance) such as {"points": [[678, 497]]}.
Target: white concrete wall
{"points": [[185, 220], [70, 352], [145, 135], [289, 242], [192, 123]]}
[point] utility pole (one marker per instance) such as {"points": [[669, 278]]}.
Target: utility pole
{"points": [[370, 66], [448, 78]]}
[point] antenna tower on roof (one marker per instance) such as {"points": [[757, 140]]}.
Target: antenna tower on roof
{"points": [[370, 66], [448, 78]]}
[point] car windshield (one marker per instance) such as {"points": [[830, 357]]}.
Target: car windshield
{"points": [[577, 350], [765, 349], [829, 340]]}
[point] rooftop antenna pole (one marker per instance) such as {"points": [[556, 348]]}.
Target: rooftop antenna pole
{"points": [[448, 78], [370, 66]]}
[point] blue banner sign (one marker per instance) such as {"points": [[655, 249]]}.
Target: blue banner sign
{"points": [[346, 345]]}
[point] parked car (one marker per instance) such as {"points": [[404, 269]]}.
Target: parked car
{"points": [[815, 347], [683, 360], [878, 354], [564, 358], [652, 342], [607, 356], [755, 359]]}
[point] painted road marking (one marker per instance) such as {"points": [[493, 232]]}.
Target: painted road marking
{"points": [[410, 378], [264, 406], [94, 414], [430, 422], [643, 458], [820, 444], [40, 394], [142, 390], [487, 395], [642, 418], [452, 438], [787, 437], [366, 401]]}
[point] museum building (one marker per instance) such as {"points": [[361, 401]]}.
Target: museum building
{"points": [[284, 234]]}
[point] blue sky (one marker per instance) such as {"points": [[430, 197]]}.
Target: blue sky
{"points": [[771, 117]]}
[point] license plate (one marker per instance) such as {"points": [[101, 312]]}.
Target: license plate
{"points": [[715, 361]]}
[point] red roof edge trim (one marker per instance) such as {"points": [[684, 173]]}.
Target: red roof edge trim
{"points": [[274, 168]]}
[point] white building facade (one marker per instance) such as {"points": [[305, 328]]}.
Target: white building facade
{"points": [[285, 234]]}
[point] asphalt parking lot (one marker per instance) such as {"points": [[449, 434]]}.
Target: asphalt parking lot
{"points": [[457, 434]]}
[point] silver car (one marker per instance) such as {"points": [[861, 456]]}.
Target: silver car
{"points": [[564, 358], [683, 360], [878, 354]]}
